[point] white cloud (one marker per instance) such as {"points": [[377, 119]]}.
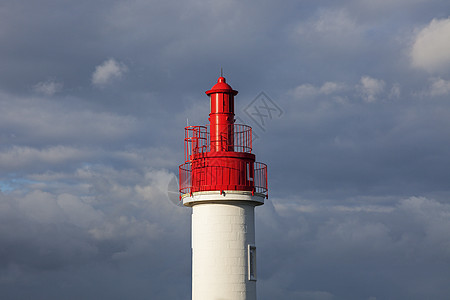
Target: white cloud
{"points": [[431, 48], [331, 87], [107, 72], [370, 88], [395, 91], [308, 90], [48, 88], [439, 87], [305, 90]]}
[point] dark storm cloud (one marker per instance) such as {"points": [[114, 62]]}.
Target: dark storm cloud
{"points": [[59, 233], [385, 146], [94, 97], [378, 248]]}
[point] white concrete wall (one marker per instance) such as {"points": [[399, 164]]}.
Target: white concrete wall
{"points": [[221, 233]]}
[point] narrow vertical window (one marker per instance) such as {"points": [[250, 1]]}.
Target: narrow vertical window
{"points": [[252, 262], [249, 176]]}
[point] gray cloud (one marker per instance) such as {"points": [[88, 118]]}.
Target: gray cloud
{"points": [[439, 87], [89, 146], [368, 242], [107, 72], [51, 230], [430, 50], [48, 88], [370, 88]]}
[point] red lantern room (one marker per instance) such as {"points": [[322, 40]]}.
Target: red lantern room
{"points": [[218, 157]]}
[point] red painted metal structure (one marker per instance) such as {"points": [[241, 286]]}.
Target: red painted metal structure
{"points": [[218, 157]]}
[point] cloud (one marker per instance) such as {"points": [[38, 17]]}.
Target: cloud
{"points": [[308, 90], [33, 121], [48, 88], [330, 23], [370, 88], [439, 87], [107, 72], [16, 158], [335, 241], [45, 226], [395, 91], [84, 212], [431, 48], [331, 27]]}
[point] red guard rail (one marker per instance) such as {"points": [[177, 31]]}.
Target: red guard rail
{"points": [[260, 178], [197, 140], [186, 185]]}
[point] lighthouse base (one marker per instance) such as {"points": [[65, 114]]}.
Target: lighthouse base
{"points": [[223, 245]]}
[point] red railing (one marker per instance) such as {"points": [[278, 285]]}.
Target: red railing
{"points": [[197, 140], [185, 184], [260, 177], [213, 173], [242, 138]]}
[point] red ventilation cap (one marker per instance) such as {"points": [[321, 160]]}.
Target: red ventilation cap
{"points": [[221, 87]]}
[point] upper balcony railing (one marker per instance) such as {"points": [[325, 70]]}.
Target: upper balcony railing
{"points": [[198, 140]]}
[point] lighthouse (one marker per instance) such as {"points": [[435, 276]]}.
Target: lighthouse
{"points": [[223, 184]]}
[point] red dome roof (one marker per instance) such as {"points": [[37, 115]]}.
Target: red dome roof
{"points": [[221, 87]]}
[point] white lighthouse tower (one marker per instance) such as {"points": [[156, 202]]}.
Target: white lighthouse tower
{"points": [[222, 183]]}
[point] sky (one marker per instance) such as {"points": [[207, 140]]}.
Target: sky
{"points": [[94, 97]]}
